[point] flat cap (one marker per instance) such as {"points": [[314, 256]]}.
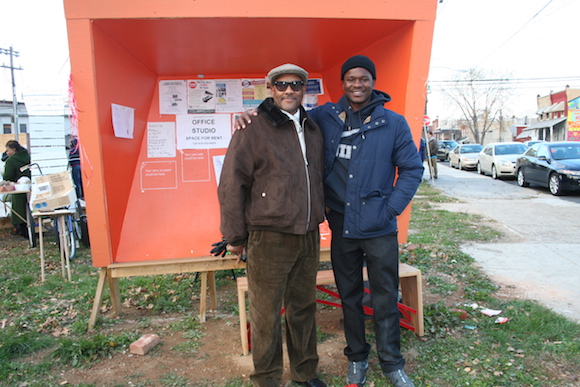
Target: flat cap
{"points": [[287, 68]]}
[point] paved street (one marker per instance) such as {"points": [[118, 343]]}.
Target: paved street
{"points": [[542, 255]]}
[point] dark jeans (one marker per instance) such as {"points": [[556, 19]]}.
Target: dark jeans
{"points": [[78, 181], [282, 271], [381, 255]]}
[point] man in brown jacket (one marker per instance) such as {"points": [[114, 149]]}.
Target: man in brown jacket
{"points": [[271, 198]]}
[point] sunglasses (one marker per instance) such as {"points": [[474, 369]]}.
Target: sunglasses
{"points": [[283, 85]]}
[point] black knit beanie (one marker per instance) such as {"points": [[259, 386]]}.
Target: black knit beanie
{"points": [[358, 61]]}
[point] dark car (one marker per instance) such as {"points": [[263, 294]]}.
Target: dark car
{"points": [[445, 146], [555, 165]]}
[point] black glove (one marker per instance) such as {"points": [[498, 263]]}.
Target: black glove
{"points": [[220, 248]]}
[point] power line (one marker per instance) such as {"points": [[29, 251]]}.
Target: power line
{"points": [[507, 80], [515, 33]]}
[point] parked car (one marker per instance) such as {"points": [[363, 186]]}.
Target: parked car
{"points": [[465, 156], [445, 146], [555, 165], [532, 142], [498, 159]]}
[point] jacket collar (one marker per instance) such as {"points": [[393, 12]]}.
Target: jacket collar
{"points": [[275, 116]]}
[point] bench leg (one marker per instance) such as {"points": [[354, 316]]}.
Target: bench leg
{"points": [[207, 277], [98, 298], [115, 295], [412, 292], [243, 320], [212, 290], [203, 296]]}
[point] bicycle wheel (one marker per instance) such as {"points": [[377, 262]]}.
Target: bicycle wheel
{"points": [[70, 237], [69, 234], [31, 229]]}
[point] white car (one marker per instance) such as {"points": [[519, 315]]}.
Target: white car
{"points": [[499, 159], [465, 156]]}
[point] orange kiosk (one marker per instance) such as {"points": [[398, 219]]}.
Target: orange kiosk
{"points": [[150, 147]]}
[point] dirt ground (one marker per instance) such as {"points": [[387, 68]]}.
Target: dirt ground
{"points": [[220, 358], [217, 360]]}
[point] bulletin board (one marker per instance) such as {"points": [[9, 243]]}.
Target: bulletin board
{"points": [[157, 85]]}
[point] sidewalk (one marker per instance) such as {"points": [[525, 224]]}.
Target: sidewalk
{"points": [[536, 256]]}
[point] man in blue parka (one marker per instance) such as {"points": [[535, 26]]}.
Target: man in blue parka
{"points": [[367, 148]]}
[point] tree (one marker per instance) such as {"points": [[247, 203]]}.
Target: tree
{"points": [[480, 100]]}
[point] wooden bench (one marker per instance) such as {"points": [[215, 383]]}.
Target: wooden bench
{"points": [[411, 290], [205, 265]]}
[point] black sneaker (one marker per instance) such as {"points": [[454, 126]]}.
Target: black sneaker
{"points": [[356, 373], [399, 378]]}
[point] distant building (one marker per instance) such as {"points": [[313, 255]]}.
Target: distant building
{"points": [[45, 130], [6, 113], [499, 131], [558, 118]]}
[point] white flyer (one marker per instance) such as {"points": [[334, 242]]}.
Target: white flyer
{"points": [[203, 131], [173, 97], [160, 139], [229, 96], [201, 96], [123, 120], [218, 163]]}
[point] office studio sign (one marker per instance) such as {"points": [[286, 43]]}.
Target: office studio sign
{"points": [[203, 131]]}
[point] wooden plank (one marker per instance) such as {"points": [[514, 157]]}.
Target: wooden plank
{"points": [[173, 266]]}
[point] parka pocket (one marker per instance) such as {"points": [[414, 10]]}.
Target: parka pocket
{"points": [[373, 215]]}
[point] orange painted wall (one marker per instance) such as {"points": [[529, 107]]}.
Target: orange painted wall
{"points": [[120, 50]]}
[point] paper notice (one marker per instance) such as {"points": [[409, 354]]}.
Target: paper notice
{"points": [[229, 96], [160, 139], [123, 120], [203, 131], [201, 96], [254, 92], [173, 97]]}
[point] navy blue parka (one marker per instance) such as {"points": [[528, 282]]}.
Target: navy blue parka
{"points": [[383, 147]]}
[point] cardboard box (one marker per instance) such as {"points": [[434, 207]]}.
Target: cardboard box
{"points": [[52, 191], [7, 187]]}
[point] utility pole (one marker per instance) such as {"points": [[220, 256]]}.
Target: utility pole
{"points": [[500, 125], [12, 54]]}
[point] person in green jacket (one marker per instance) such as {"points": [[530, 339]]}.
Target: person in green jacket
{"points": [[18, 156]]}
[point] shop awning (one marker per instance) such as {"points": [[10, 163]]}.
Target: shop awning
{"points": [[540, 125]]}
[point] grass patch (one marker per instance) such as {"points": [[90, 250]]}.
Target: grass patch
{"points": [[44, 324], [80, 351], [191, 331], [172, 379], [478, 351]]}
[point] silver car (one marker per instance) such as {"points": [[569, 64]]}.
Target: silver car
{"points": [[499, 159], [465, 156]]}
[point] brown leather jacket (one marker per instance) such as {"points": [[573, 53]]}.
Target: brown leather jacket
{"points": [[265, 183]]}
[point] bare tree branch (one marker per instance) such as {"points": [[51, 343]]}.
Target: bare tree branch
{"points": [[479, 102]]}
